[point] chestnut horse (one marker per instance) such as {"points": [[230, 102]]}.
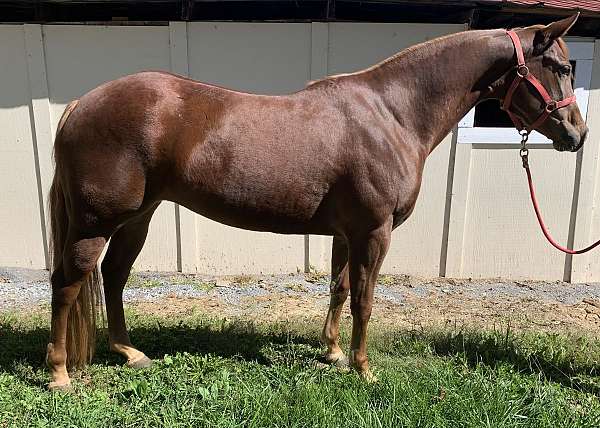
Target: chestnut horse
{"points": [[342, 157]]}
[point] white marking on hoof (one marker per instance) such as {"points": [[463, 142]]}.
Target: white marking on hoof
{"points": [[141, 362], [337, 359], [368, 376]]}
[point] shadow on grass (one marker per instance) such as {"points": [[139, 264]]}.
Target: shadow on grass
{"points": [[569, 361], [242, 340], [556, 358]]}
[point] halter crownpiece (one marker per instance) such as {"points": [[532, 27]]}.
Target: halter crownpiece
{"points": [[524, 73]]}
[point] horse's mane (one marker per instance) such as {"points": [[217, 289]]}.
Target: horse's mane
{"points": [[418, 49]]}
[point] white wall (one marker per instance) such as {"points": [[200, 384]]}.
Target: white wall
{"points": [[501, 236], [79, 58], [21, 236], [490, 231]]}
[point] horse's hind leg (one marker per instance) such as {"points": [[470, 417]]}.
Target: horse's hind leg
{"points": [[340, 285], [125, 245], [72, 270]]}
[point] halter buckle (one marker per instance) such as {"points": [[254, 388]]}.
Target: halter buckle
{"points": [[522, 70]]}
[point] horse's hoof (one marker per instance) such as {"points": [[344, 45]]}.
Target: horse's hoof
{"points": [[337, 359], [368, 376], [60, 386], [139, 363]]}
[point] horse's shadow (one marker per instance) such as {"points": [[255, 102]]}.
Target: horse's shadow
{"points": [[240, 340], [503, 348], [249, 343]]}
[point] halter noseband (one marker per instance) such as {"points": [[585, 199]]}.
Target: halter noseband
{"points": [[523, 73]]}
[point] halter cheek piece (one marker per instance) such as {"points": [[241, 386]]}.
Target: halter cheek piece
{"points": [[523, 73]]}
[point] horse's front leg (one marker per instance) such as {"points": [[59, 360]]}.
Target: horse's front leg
{"points": [[366, 256]]}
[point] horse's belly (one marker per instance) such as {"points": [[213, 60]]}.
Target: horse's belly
{"points": [[263, 215], [265, 188]]}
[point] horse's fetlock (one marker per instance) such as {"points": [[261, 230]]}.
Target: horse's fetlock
{"points": [[55, 357], [359, 360]]}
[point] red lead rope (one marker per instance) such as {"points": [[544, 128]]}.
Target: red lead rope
{"points": [[524, 154], [523, 74]]}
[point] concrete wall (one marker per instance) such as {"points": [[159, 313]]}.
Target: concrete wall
{"points": [[473, 218]]}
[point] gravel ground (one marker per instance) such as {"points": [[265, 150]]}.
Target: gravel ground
{"points": [[399, 299], [21, 288]]}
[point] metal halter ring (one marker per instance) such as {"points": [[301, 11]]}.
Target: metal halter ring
{"points": [[522, 70], [551, 106]]}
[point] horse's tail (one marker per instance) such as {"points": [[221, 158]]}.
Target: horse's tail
{"points": [[81, 325]]}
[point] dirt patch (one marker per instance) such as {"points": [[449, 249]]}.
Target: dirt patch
{"points": [[400, 300], [418, 304]]}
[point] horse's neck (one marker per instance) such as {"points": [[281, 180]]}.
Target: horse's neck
{"points": [[430, 87]]}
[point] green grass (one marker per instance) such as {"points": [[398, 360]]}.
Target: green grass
{"points": [[217, 373]]}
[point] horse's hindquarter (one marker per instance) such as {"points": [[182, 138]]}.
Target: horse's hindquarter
{"points": [[258, 162]]}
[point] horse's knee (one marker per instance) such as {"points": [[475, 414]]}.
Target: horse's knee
{"points": [[361, 310]]}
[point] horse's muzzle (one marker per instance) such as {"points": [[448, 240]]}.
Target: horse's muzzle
{"points": [[582, 138], [572, 140]]}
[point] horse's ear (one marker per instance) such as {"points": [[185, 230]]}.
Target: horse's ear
{"points": [[545, 36]]}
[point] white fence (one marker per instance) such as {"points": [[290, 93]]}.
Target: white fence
{"points": [[472, 219]]}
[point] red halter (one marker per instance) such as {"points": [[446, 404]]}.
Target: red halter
{"points": [[551, 105], [523, 73]]}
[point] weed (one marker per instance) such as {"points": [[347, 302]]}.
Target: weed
{"points": [[314, 275], [295, 286], [242, 279], [135, 280], [204, 285]]}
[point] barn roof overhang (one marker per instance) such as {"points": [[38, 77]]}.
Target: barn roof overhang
{"points": [[476, 13]]}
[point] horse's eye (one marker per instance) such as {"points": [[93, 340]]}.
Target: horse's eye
{"points": [[565, 69]]}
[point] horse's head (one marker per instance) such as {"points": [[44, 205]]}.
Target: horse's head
{"points": [[547, 59]]}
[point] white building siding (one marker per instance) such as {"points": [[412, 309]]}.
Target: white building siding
{"points": [[473, 217]]}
